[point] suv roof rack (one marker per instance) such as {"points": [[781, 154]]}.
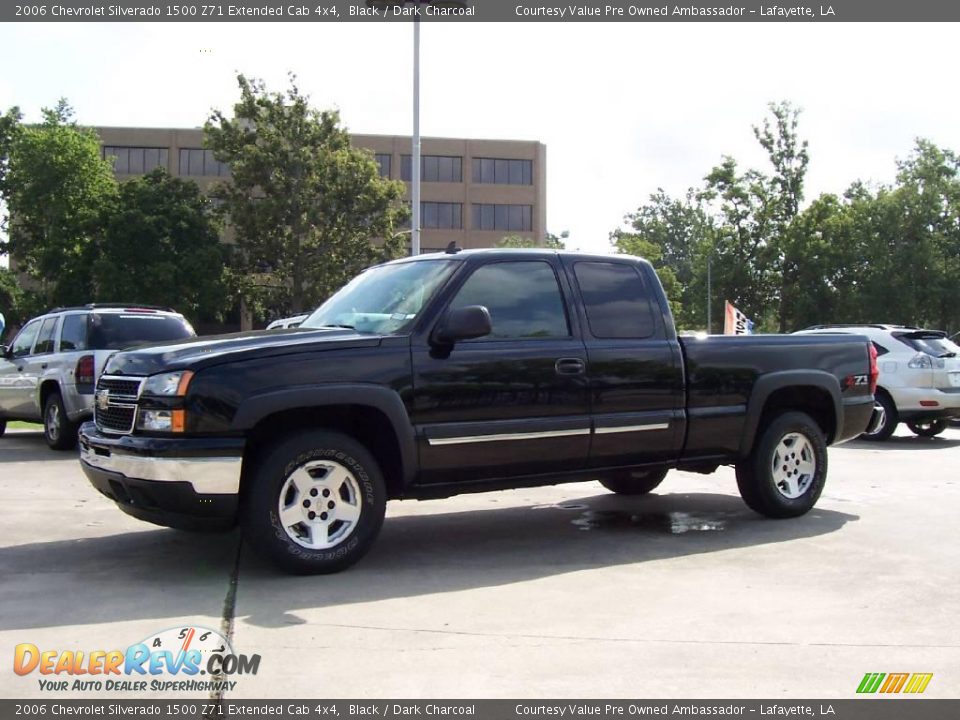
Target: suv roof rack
{"points": [[113, 306], [855, 325]]}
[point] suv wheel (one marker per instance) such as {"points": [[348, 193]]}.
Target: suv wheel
{"points": [[930, 428], [634, 483], [58, 431], [3, 427], [786, 472], [315, 504], [888, 419]]}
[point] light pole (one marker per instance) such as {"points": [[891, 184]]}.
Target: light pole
{"points": [[415, 140], [415, 149]]}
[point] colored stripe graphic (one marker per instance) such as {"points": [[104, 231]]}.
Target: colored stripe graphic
{"points": [[894, 683], [870, 682], [918, 682]]}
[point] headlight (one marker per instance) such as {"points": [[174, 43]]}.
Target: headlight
{"points": [[161, 420], [169, 384]]}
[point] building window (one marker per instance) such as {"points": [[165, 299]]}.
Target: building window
{"points": [[197, 162], [503, 217], [135, 160], [502, 172], [433, 168], [383, 161], [441, 216]]}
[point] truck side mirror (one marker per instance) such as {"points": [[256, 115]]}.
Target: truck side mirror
{"points": [[5, 352], [463, 323]]}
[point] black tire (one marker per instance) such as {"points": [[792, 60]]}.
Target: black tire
{"points": [[58, 431], [3, 427], [637, 482], [890, 419], [764, 487], [329, 457], [931, 428]]}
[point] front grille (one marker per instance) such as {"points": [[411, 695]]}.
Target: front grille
{"points": [[116, 418], [120, 386], [121, 395]]}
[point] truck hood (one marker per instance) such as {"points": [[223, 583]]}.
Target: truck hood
{"points": [[197, 353]]}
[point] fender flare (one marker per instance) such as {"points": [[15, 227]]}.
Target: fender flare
{"points": [[256, 407], [769, 384]]}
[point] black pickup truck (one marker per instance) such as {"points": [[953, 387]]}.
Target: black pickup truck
{"points": [[463, 372]]}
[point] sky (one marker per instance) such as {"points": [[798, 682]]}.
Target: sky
{"points": [[624, 109]]}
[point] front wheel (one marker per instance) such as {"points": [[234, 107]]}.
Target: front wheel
{"points": [[58, 431], [315, 503], [786, 472], [930, 428], [634, 483]]}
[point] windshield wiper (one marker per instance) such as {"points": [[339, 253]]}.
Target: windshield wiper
{"points": [[947, 354], [348, 327]]}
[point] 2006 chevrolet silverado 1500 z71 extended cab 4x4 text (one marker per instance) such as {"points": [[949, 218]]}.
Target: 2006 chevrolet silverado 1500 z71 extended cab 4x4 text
{"points": [[462, 372]]}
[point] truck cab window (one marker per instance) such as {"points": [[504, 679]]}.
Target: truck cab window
{"points": [[615, 300], [523, 298]]}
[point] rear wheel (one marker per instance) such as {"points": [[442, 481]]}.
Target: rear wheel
{"points": [[888, 419], [58, 431], [930, 428], [786, 472], [638, 482], [315, 504]]}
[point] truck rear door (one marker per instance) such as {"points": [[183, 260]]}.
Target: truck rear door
{"points": [[635, 368]]}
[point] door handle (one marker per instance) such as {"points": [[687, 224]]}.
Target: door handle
{"points": [[569, 366], [20, 368], [44, 366]]}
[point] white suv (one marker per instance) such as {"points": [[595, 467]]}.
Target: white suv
{"points": [[919, 377], [48, 372]]}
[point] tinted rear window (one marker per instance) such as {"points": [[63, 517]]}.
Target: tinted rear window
{"points": [[933, 344], [115, 331], [615, 299]]}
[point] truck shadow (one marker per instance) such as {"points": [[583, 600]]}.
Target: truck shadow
{"points": [[166, 573], [902, 442]]}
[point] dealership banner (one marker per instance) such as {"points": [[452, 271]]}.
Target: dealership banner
{"points": [[735, 322], [480, 10], [920, 709]]}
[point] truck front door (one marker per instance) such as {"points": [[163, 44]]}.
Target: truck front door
{"points": [[513, 402]]}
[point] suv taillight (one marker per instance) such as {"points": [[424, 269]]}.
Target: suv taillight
{"points": [[874, 370], [84, 373]]}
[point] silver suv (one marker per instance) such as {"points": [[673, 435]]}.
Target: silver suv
{"points": [[919, 381], [49, 371]]}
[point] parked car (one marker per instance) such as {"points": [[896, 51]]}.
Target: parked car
{"points": [[290, 322], [464, 372], [48, 372], [919, 377]]}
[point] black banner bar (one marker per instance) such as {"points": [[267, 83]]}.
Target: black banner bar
{"points": [[479, 10], [872, 708]]}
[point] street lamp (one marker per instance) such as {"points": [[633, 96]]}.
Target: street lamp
{"points": [[415, 141]]}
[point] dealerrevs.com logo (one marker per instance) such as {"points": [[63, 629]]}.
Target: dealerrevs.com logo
{"points": [[176, 660]]}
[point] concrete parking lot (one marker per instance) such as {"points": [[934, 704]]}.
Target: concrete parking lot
{"points": [[564, 591]]}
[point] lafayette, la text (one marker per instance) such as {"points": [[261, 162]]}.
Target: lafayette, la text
{"points": [[581, 11]]}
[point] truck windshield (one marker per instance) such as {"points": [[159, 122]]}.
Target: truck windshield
{"points": [[384, 299]]}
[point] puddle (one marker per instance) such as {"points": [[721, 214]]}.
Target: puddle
{"points": [[561, 506], [675, 523]]}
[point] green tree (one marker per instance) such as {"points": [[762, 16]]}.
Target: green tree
{"points": [[675, 235], [160, 244], [303, 203], [54, 185]]}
